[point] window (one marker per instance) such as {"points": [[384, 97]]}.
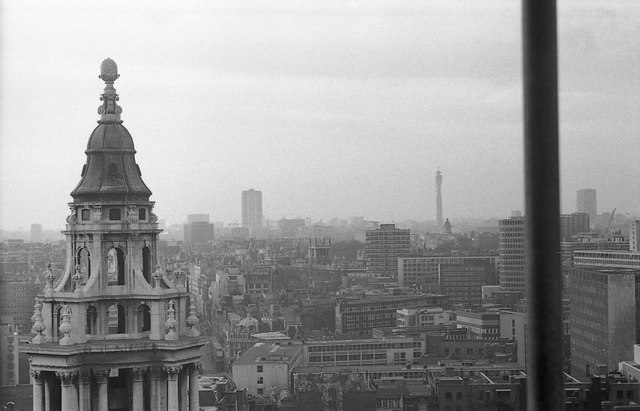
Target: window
{"points": [[115, 214], [260, 380], [115, 266], [84, 261], [146, 264], [84, 214], [260, 391], [260, 368], [116, 319], [448, 396], [92, 317], [144, 318], [142, 214]]}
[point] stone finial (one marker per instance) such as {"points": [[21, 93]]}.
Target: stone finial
{"points": [[157, 278], [109, 110], [38, 325], [171, 323], [48, 279], [192, 322], [108, 70], [65, 326]]}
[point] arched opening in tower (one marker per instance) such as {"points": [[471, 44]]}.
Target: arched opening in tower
{"points": [[144, 318], [92, 318], [146, 264], [84, 261], [115, 266], [117, 319]]}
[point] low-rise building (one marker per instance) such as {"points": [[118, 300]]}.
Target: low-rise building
{"points": [[481, 325], [419, 317], [372, 351], [265, 368]]}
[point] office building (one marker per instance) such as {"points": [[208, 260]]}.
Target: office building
{"points": [[606, 259], [420, 317], [462, 283], [252, 211], [383, 246], [481, 325], [265, 368], [395, 350], [198, 231], [359, 316], [587, 202], [511, 270], [573, 224], [634, 236], [424, 272], [112, 333], [604, 317]]}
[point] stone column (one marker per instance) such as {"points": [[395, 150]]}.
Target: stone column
{"points": [[38, 390], [157, 388], [47, 393], [194, 386], [84, 390], [183, 387], [138, 388], [102, 378], [172, 386], [69, 393]]}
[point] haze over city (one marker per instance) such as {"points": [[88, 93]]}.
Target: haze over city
{"points": [[331, 109]]}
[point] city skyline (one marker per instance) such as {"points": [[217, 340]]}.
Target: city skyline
{"points": [[307, 103]]}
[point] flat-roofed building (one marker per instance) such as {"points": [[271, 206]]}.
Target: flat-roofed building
{"points": [[383, 246], [606, 259], [511, 250], [481, 325], [424, 271], [393, 350], [360, 315], [267, 365], [604, 316]]}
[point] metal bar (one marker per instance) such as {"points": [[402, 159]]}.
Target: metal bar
{"points": [[543, 271]]}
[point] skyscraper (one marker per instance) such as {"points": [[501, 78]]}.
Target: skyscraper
{"points": [[587, 202], [252, 210], [383, 247], [511, 253], [439, 199], [110, 333]]}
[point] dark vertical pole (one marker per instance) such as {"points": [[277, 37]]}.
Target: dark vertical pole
{"points": [[543, 281]]}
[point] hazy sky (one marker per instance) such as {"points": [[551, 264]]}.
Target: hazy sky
{"points": [[331, 108]]}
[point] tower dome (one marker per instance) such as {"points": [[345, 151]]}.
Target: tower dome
{"points": [[111, 172]]}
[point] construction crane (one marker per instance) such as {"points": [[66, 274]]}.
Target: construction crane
{"points": [[613, 213]]}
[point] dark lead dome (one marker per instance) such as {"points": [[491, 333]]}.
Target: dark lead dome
{"points": [[111, 172]]}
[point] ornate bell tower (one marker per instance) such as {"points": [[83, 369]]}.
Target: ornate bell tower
{"points": [[113, 332]]}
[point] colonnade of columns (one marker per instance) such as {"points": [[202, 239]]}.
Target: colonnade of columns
{"points": [[164, 387]]}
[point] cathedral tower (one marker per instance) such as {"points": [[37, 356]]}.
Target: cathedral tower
{"points": [[113, 332]]}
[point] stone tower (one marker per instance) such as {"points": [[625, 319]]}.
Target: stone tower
{"points": [[113, 332]]}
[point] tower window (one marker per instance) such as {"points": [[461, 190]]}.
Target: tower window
{"points": [[144, 318], [115, 214], [142, 214], [117, 319], [115, 266], [84, 214], [146, 264], [92, 316], [84, 261]]}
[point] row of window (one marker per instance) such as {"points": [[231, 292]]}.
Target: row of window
{"points": [[115, 214]]}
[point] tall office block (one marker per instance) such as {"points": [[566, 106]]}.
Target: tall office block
{"points": [[603, 318], [112, 332], [572, 224], [587, 202], [511, 272], [252, 210], [198, 231], [383, 247], [634, 236]]}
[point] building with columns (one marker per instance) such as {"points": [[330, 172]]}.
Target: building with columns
{"points": [[112, 332]]}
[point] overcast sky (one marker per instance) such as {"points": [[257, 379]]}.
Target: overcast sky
{"points": [[330, 108]]}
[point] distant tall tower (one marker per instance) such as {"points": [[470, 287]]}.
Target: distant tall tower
{"points": [[439, 199], [252, 210], [587, 202]]}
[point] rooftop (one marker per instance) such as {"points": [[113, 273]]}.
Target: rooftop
{"points": [[264, 353]]}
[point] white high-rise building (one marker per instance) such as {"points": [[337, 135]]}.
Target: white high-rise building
{"points": [[252, 210]]}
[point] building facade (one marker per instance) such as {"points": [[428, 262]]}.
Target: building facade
{"points": [[424, 272], [604, 317], [511, 261], [252, 210], [572, 224], [198, 231], [587, 202], [383, 246], [112, 333]]}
